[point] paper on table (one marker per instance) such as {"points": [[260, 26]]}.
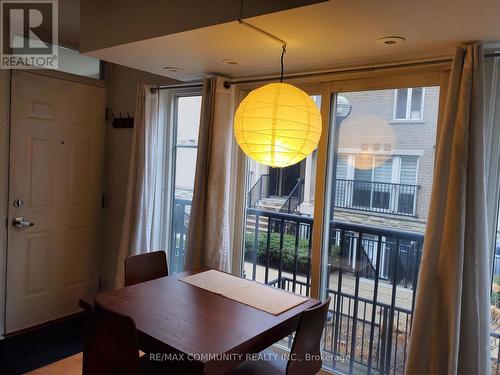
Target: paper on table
{"points": [[271, 300]]}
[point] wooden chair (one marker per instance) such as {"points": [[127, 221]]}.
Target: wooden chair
{"points": [[306, 342], [113, 348], [145, 267]]}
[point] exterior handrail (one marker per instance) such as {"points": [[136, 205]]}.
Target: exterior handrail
{"points": [[255, 194], [287, 206]]}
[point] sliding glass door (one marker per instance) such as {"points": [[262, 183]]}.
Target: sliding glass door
{"points": [[352, 226], [381, 170]]}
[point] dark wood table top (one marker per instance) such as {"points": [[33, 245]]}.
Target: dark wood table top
{"points": [[173, 316]]}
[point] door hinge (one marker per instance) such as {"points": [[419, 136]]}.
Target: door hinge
{"points": [[106, 112], [103, 200]]}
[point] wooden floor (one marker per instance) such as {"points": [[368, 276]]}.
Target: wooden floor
{"points": [[73, 366], [68, 366]]}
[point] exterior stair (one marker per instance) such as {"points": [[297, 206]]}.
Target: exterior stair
{"points": [[268, 204]]}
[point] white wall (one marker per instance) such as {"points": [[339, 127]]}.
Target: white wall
{"points": [[122, 87], [4, 154]]}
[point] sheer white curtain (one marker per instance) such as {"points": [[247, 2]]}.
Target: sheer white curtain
{"points": [[208, 242], [139, 233], [451, 324]]}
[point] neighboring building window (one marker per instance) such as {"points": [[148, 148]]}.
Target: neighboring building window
{"points": [[408, 170], [409, 104]]}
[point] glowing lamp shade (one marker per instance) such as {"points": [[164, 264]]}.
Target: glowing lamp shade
{"points": [[277, 125]]}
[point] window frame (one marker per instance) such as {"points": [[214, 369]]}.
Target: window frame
{"points": [[169, 99], [409, 97]]}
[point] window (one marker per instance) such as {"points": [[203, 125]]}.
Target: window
{"points": [[186, 117], [72, 61], [409, 104]]}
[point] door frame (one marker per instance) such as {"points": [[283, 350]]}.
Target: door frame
{"points": [[5, 78], [328, 85], [5, 130]]}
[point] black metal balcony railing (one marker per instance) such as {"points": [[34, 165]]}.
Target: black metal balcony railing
{"points": [[371, 276], [358, 327], [182, 210], [397, 199]]}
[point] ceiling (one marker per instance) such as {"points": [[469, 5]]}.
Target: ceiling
{"points": [[328, 35]]}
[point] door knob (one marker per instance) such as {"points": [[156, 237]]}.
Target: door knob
{"points": [[21, 222]]}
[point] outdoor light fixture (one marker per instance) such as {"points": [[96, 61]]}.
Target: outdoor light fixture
{"points": [[277, 124], [343, 108]]}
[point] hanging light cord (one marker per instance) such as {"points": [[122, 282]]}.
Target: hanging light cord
{"points": [[283, 51]]}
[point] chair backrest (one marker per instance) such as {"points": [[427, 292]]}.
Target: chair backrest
{"points": [[145, 267], [305, 353], [113, 348]]}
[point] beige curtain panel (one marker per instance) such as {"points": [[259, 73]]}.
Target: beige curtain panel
{"points": [[138, 233], [451, 324], [208, 242]]}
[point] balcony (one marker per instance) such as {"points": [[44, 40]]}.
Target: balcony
{"points": [[396, 199]]}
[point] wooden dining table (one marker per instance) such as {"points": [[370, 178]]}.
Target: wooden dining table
{"points": [[183, 326]]}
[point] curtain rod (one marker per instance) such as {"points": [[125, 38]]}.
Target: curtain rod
{"points": [[177, 86], [333, 71], [230, 82]]}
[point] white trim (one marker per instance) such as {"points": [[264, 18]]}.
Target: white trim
{"points": [[396, 152], [409, 97], [5, 80], [396, 170], [407, 122], [350, 166]]}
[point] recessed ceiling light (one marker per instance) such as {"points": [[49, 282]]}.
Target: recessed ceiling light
{"points": [[230, 61], [172, 69], [391, 40]]}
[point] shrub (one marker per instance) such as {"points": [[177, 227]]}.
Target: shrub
{"points": [[288, 254]]}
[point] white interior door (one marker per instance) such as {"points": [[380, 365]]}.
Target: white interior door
{"points": [[56, 152]]}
